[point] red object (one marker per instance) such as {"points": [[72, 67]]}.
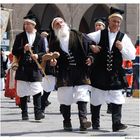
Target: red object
{"points": [[17, 99], [11, 93], [128, 66]]}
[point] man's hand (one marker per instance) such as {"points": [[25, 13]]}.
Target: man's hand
{"points": [[95, 48], [34, 56], [27, 47], [119, 45], [88, 62], [53, 62]]}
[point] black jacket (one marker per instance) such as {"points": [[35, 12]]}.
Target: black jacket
{"points": [[71, 69], [28, 70]]}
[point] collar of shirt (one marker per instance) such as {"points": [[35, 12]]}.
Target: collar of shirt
{"points": [[112, 37], [31, 37]]}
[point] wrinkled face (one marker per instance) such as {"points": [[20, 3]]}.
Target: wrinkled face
{"points": [[60, 28], [58, 23], [29, 27], [114, 24], [99, 26]]}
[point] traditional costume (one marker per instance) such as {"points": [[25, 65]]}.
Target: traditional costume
{"points": [[72, 76], [28, 75], [108, 77]]}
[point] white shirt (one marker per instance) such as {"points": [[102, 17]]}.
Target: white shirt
{"points": [[128, 51], [31, 37]]}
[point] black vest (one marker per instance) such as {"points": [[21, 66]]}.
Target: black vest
{"points": [[107, 72]]}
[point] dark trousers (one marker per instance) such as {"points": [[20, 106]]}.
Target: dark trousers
{"points": [[36, 102], [82, 112], [95, 115], [44, 98], [116, 113], [24, 107], [66, 112]]}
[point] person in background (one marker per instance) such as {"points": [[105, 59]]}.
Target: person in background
{"points": [[108, 77], [48, 81], [136, 69], [128, 67], [72, 78], [100, 23], [3, 64], [10, 82], [27, 49]]}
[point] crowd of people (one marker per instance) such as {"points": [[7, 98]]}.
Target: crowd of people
{"points": [[83, 68]]}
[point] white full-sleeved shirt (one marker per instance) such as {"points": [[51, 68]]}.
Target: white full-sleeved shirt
{"points": [[128, 51]]}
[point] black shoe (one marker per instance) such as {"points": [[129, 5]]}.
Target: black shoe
{"points": [[128, 94], [84, 125], [25, 116], [39, 116], [117, 127], [47, 103], [67, 126], [94, 127]]}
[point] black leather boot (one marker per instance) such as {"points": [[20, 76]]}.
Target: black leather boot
{"points": [[65, 111], [44, 100], [82, 108], [37, 107], [24, 108], [95, 116], [116, 118]]}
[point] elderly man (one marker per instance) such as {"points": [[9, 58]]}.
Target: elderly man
{"points": [[72, 77], [108, 77], [28, 75]]}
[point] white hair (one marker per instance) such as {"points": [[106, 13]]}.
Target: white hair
{"points": [[62, 32]]}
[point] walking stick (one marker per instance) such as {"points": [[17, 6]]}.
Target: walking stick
{"points": [[45, 57], [39, 66]]}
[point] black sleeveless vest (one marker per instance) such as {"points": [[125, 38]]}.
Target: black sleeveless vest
{"points": [[107, 72]]}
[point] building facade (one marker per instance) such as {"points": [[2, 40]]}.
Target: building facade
{"points": [[78, 16]]}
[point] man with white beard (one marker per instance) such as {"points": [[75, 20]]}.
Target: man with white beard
{"points": [[72, 77]]}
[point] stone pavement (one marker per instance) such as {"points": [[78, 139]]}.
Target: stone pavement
{"points": [[51, 126]]}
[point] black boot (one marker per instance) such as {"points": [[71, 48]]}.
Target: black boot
{"points": [[44, 100], [82, 108], [24, 107], [95, 116], [116, 118], [65, 111], [109, 109], [37, 107]]}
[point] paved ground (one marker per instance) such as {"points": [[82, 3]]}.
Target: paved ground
{"points": [[51, 126]]}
